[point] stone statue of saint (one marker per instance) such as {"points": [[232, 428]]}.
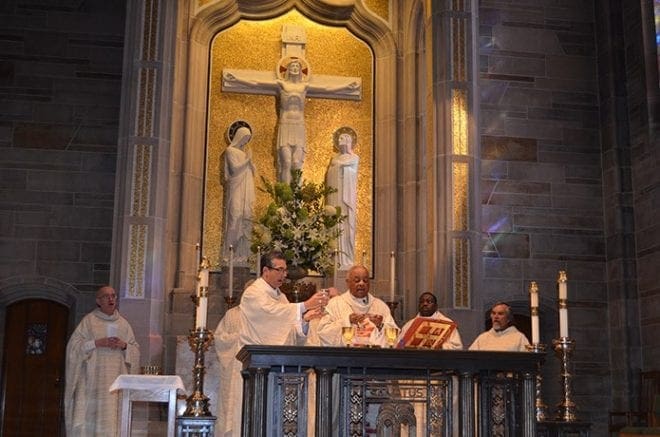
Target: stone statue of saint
{"points": [[291, 84], [239, 192], [342, 175]]}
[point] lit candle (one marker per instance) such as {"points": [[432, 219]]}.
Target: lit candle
{"points": [[334, 272], [258, 261], [364, 258], [231, 270], [534, 304], [563, 306], [392, 275]]}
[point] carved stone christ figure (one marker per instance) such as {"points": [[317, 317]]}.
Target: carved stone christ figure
{"points": [[291, 83], [239, 191], [342, 175]]}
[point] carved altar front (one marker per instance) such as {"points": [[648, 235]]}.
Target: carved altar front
{"points": [[387, 392]]}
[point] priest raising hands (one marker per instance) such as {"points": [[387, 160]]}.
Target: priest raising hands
{"points": [[268, 317]]}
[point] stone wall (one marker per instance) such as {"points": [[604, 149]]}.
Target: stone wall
{"points": [[541, 183], [61, 74]]}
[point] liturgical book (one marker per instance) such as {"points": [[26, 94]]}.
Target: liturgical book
{"points": [[427, 333]]}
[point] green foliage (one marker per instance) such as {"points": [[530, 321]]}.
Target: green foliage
{"points": [[299, 223]]}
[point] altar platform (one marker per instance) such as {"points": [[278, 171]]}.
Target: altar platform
{"points": [[413, 392]]}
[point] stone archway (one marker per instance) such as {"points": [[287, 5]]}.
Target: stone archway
{"points": [[38, 313], [19, 288]]}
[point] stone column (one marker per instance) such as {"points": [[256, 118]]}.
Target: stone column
{"points": [[139, 239]]}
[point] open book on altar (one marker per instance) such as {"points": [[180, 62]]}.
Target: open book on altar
{"points": [[427, 333]]}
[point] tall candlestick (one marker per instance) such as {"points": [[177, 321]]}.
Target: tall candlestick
{"points": [[392, 275], [258, 261], [334, 271], [534, 307], [563, 304]]}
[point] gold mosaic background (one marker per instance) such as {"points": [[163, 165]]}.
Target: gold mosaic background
{"points": [[379, 7], [256, 45]]}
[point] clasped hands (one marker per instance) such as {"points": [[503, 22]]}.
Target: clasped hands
{"points": [[360, 319], [111, 342]]}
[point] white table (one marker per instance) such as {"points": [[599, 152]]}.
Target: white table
{"points": [[147, 388]]}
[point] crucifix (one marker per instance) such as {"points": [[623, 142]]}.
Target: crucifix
{"points": [[291, 83]]}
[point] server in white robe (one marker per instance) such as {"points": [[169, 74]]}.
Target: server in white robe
{"points": [[503, 336], [226, 347]]}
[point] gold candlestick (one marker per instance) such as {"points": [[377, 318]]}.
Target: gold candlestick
{"points": [[197, 403], [540, 408], [566, 409]]}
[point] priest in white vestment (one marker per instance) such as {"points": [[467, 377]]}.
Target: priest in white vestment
{"points": [[503, 336], [358, 308], [428, 307], [101, 348], [267, 318]]}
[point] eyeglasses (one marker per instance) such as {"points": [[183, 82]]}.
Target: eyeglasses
{"points": [[279, 269], [108, 296]]}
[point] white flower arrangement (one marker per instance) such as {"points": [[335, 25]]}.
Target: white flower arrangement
{"points": [[298, 223]]}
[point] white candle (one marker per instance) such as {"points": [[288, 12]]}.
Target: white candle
{"points": [[392, 275], [334, 272], [231, 270], [198, 261], [563, 292], [204, 277], [563, 322], [258, 261], [563, 304], [202, 294], [364, 258], [200, 315], [534, 304]]}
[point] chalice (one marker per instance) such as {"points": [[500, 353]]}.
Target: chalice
{"points": [[391, 333], [347, 333]]}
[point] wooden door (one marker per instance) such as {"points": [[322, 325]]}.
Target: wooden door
{"points": [[33, 368]]}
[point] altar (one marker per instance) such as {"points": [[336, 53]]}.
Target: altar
{"points": [[465, 393]]}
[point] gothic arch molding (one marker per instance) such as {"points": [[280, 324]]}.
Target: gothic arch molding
{"points": [[37, 287], [18, 288]]}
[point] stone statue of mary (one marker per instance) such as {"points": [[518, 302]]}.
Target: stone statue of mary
{"points": [[239, 174], [342, 175]]}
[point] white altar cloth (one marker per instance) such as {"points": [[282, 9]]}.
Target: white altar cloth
{"points": [[147, 388]]}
